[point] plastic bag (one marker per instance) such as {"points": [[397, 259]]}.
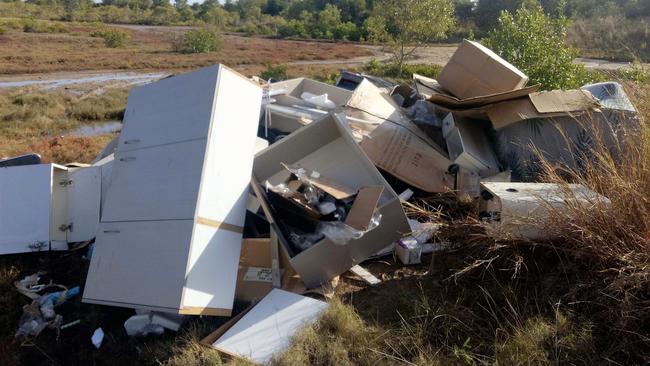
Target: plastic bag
{"points": [[341, 233]]}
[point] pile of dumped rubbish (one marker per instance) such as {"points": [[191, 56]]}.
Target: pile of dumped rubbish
{"points": [[170, 207]]}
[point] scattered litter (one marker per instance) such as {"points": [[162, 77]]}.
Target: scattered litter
{"points": [[40, 313], [368, 277], [97, 338]]}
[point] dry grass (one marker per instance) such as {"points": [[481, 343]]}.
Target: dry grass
{"points": [[150, 50]]}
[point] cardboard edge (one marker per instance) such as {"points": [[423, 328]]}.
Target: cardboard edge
{"points": [[223, 328], [205, 311]]}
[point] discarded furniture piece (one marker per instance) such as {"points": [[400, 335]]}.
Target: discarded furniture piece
{"points": [[327, 147], [468, 145], [27, 159], [47, 206], [524, 210], [474, 70], [173, 215], [610, 95], [292, 92], [266, 330]]}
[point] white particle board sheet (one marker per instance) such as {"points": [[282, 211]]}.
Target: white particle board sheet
{"points": [[25, 208], [266, 330], [211, 271], [170, 110], [139, 264], [156, 183], [84, 194]]}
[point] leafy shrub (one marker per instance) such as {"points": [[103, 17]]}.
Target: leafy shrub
{"points": [[2, 31], [31, 26], [275, 73], [204, 40], [535, 43], [392, 70], [113, 38]]}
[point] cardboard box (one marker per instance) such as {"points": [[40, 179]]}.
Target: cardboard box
{"points": [[327, 147], [394, 143], [173, 215], [474, 70]]}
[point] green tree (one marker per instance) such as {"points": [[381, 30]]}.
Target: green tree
{"points": [[535, 43], [407, 24]]}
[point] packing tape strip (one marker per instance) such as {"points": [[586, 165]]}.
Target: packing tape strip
{"points": [[220, 225]]}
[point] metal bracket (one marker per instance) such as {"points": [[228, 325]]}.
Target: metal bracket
{"points": [[66, 227], [65, 183]]}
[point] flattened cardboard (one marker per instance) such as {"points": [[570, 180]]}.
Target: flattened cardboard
{"points": [[395, 143], [474, 70], [431, 90], [365, 205], [327, 147], [558, 103]]}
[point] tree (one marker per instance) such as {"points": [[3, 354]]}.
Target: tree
{"points": [[535, 43], [407, 24]]}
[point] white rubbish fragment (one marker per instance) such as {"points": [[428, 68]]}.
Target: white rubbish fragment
{"points": [[409, 251], [406, 195], [368, 277], [141, 326], [318, 100], [97, 337]]}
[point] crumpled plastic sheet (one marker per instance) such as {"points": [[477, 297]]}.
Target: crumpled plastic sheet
{"points": [[341, 233]]}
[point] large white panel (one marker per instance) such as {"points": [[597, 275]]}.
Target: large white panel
{"points": [[139, 264], [25, 204], [157, 183], [231, 149], [84, 194], [170, 110], [267, 329], [212, 269]]}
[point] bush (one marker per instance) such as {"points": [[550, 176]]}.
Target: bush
{"points": [[204, 40], [274, 73], [535, 43], [113, 38], [31, 26], [2, 31], [391, 70]]}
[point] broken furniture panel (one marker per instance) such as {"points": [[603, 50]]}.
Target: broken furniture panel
{"points": [[290, 92], [267, 329], [173, 215], [47, 206], [523, 210], [327, 147], [469, 146]]}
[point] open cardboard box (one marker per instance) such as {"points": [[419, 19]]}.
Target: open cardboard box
{"points": [[326, 146]]}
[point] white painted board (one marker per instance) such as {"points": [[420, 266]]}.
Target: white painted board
{"points": [[84, 195], [25, 208], [267, 329]]}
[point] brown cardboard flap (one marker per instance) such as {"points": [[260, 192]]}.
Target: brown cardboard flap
{"points": [[432, 90], [364, 207], [336, 190], [557, 101]]}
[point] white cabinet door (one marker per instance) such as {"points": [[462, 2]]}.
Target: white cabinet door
{"points": [[170, 110], [139, 264], [84, 194], [158, 183], [25, 206]]}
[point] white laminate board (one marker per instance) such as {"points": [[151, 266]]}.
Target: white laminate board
{"points": [[170, 110], [84, 195], [267, 329], [230, 150], [211, 274], [157, 183], [139, 264], [25, 208]]}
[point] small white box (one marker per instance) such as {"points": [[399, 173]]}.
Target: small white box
{"points": [[409, 251]]}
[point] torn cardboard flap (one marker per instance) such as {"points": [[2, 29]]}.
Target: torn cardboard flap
{"points": [[329, 186], [431, 89], [474, 70], [557, 103], [364, 207]]}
